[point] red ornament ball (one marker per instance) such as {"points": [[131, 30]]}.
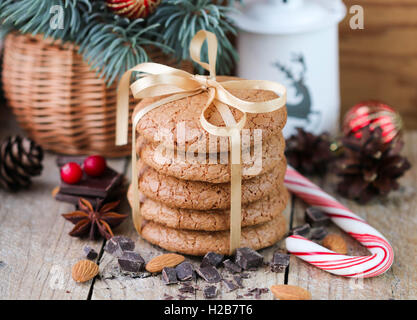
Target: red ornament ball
{"points": [[94, 166], [133, 9], [373, 114], [71, 173]]}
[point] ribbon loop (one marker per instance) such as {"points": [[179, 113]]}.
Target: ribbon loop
{"points": [[157, 80]]}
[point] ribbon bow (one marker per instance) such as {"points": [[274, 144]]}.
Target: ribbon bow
{"points": [[157, 80]]}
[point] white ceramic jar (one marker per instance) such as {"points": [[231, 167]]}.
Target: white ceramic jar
{"points": [[295, 42]]}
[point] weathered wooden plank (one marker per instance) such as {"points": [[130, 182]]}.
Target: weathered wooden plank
{"points": [[395, 218], [36, 252], [113, 285], [379, 62]]}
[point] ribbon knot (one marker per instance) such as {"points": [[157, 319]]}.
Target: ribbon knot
{"points": [[204, 81], [157, 80]]}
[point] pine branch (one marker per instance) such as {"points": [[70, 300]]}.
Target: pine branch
{"points": [[112, 45], [34, 17], [180, 20], [108, 43]]}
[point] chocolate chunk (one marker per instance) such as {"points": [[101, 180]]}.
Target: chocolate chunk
{"points": [[210, 292], [231, 266], [90, 253], [279, 262], [117, 244], [209, 274], [258, 292], [169, 275], [248, 258], [238, 280], [131, 262], [318, 233], [230, 285], [316, 217], [303, 230], [185, 271], [212, 259], [245, 275], [187, 289], [125, 243]]}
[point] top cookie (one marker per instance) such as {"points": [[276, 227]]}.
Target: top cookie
{"points": [[177, 124]]}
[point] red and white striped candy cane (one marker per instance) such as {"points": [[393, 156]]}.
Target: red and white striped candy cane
{"points": [[378, 262]]}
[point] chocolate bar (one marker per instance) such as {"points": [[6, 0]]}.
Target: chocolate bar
{"points": [[74, 199], [94, 186], [105, 188]]}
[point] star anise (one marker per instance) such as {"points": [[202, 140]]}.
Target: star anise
{"points": [[94, 222]]}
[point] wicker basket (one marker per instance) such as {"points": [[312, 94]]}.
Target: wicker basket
{"points": [[58, 100]]}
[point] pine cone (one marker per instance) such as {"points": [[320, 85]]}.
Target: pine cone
{"points": [[20, 159], [369, 166], [308, 153]]}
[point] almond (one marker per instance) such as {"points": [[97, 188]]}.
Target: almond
{"points": [[55, 191], [335, 243], [162, 261], [84, 270], [287, 292]]}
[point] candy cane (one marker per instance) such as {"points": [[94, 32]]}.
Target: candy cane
{"points": [[378, 262]]}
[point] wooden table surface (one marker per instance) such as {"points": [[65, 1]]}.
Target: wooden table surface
{"points": [[36, 253]]}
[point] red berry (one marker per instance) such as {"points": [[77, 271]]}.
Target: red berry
{"points": [[95, 165], [71, 173]]}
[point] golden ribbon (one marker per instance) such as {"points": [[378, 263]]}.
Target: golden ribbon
{"points": [[157, 80]]}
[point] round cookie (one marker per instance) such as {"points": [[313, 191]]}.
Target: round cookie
{"points": [[199, 169], [198, 243], [254, 213], [198, 195], [176, 125]]}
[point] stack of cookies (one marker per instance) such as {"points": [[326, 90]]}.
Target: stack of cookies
{"points": [[184, 177]]}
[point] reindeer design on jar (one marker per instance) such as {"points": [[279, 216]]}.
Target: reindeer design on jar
{"points": [[302, 109]]}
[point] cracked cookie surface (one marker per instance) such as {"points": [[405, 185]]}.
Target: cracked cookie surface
{"points": [[254, 213], [198, 195], [255, 161], [200, 242], [165, 123]]}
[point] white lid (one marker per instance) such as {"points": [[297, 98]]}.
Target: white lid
{"points": [[288, 16]]}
